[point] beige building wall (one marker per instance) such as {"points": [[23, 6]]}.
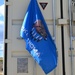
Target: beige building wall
{"points": [[16, 52], [15, 46]]}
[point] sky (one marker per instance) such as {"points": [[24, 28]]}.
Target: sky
{"points": [[1, 26]]}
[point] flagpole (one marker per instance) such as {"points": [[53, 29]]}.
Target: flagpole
{"points": [[54, 25], [34, 68], [71, 44]]}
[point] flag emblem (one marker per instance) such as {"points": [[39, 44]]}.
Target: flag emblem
{"points": [[38, 31]]}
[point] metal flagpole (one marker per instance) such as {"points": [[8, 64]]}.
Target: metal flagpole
{"points": [[34, 68], [54, 25], [54, 22], [71, 44]]}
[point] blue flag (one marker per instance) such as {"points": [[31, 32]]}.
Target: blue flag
{"points": [[38, 40]]}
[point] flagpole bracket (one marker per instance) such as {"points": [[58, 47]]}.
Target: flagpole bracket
{"points": [[8, 3], [7, 41], [62, 21], [19, 38], [71, 53]]}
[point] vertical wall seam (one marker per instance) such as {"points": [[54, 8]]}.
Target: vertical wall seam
{"points": [[6, 37], [62, 38]]}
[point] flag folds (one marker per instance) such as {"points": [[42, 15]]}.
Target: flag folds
{"points": [[38, 40]]}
